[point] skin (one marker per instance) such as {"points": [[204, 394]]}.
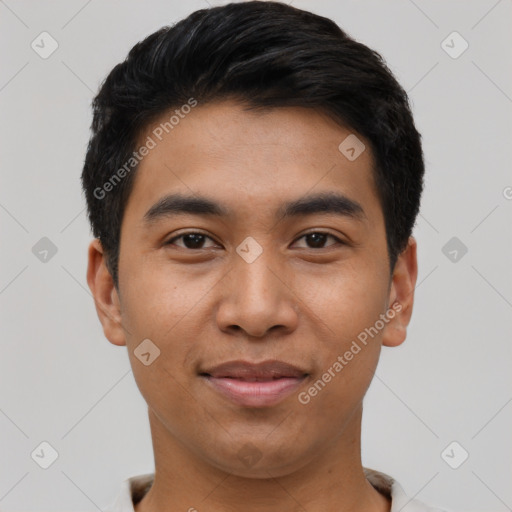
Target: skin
{"points": [[297, 302]]}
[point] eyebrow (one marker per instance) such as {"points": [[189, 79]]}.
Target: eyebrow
{"points": [[328, 202]]}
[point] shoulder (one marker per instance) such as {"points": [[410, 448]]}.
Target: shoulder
{"points": [[388, 486], [131, 492]]}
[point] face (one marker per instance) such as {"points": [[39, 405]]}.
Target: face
{"points": [[280, 256]]}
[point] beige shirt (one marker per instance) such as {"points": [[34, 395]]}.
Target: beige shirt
{"points": [[133, 490]]}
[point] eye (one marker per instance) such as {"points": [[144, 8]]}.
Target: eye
{"points": [[195, 240], [317, 239], [191, 240]]}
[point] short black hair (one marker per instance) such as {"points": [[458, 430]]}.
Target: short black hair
{"points": [[265, 55]]}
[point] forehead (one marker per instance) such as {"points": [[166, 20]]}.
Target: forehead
{"points": [[251, 161]]}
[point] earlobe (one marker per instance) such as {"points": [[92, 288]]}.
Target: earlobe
{"points": [[105, 295], [401, 296]]}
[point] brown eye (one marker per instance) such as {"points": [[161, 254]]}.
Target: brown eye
{"points": [[317, 239], [191, 240]]}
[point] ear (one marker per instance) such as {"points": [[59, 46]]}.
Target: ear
{"points": [[401, 296], [105, 295]]}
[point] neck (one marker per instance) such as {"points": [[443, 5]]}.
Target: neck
{"points": [[334, 480]]}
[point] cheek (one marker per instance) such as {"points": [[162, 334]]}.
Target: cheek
{"points": [[348, 356], [159, 299], [346, 300], [348, 306], [163, 308]]}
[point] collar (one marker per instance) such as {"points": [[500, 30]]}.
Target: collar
{"points": [[134, 489]]}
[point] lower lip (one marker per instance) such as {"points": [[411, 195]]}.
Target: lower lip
{"points": [[255, 394]]}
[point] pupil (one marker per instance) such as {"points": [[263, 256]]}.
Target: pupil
{"points": [[196, 240], [317, 238]]}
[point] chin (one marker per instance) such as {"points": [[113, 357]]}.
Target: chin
{"points": [[254, 460]]}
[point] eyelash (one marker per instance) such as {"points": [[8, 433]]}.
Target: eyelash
{"points": [[170, 242]]}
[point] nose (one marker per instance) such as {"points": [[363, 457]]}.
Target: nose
{"points": [[257, 299]]}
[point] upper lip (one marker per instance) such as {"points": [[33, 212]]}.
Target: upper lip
{"points": [[246, 370]]}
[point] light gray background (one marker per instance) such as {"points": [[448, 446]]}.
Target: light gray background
{"points": [[62, 382]]}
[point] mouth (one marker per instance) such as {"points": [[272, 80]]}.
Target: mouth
{"points": [[254, 385]]}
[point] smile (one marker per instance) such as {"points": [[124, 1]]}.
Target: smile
{"points": [[255, 393], [254, 384]]}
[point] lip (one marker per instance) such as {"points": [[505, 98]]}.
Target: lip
{"points": [[255, 384]]}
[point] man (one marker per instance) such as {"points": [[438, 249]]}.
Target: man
{"points": [[252, 181]]}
